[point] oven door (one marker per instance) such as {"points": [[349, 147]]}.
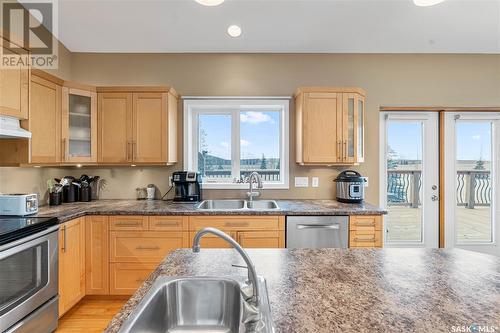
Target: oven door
{"points": [[28, 275]]}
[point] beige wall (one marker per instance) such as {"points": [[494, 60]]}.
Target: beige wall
{"points": [[450, 80]]}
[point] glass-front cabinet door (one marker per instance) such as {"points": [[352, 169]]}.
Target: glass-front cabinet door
{"points": [[79, 126], [353, 128]]}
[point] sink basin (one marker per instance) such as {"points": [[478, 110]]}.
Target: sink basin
{"points": [[196, 304], [237, 205], [262, 204], [222, 204]]}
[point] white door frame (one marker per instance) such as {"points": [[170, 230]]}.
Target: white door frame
{"points": [[430, 174], [450, 181]]}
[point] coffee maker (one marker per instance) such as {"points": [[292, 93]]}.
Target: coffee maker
{"points": [[187, 186]]}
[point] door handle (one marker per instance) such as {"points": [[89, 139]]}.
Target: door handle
{"points": [[64, 150], [339, 150], [345, 150], [318, 226], [64, 239], [434, 198]]}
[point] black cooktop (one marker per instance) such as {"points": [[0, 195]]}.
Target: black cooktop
{"points": [[14, 227]]}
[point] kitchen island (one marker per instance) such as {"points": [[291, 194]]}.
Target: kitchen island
{"points": [[355, 290]]}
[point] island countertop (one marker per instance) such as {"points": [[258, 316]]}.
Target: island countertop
{"points": [[355, 290], [70, 211]]}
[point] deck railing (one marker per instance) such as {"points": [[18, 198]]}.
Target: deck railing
{"points": [[473, 188], [266, 174]]}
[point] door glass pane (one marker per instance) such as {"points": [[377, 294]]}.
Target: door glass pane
{"points": [[79, 126], [473, 164], [22, 275], [260, 144], [404, 181], [214, 147], [360, 128], [350, 127]]}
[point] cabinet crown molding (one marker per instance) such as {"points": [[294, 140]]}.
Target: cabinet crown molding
{"points": [[356, 90]]}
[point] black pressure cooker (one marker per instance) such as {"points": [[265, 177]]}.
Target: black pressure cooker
{"points": [[350, 187]]}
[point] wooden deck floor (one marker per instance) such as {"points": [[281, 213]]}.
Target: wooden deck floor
{"points": [[404, 223], [90, 315]]}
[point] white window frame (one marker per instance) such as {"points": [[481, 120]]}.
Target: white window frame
{"points": [[234, 105]]}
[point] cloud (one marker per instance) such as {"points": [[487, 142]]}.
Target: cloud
{"points": [[224, 144], [253, 117], [476, 137], [245, 143]]}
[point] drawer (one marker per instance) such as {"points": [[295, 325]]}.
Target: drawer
{"points": [[367, 223], [261, 239], [125, 278], [235, 222], [362, 238], [128, 222], [210, 241], [167, 223], [146, 246]]}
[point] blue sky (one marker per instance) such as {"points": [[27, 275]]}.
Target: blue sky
{"points": [[259, 134], [473, 140]]}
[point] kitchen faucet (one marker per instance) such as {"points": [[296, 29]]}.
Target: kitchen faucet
{"points": [[253, 193], [252, 274]]}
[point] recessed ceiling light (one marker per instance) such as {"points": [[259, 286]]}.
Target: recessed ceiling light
{"points": [[210, 2], [234, 31], [426, 3]]}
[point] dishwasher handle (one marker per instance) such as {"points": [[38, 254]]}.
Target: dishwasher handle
{"points": [[318, 226]]}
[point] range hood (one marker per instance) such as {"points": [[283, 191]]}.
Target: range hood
{"points": [[10, 128]]}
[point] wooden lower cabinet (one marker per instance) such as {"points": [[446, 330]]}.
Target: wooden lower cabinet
{"points": [[125, 278], [365, 231], [210, 241], [71, 264], [96, 255], [261, 239]]}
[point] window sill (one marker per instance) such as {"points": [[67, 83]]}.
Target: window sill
{"points": [[221, 186]]}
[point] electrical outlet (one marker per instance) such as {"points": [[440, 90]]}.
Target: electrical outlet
{"points": [[315, 182], [301, 181], [170, 181]]}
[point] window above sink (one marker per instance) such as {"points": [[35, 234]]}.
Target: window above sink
{"points": [[226, 139]]}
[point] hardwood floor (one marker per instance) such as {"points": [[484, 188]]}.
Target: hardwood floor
{"points": [[91, 314]]}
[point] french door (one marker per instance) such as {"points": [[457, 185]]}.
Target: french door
{"points": [[472, 205], [409, 178]]}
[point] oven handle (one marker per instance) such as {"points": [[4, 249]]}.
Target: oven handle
{"points": [[318, 226], [28, 238]]}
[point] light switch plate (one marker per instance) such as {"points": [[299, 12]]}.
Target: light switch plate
{"points": [[366, 181], [315, 181], [301, 181]]}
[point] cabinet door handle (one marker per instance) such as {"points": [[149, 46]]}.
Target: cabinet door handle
{"points": [[345, 150], [370, 239], [365, 224], [339, 150], [129, 224], [64, 238], [148, 248], [168, 224], [64, 158], [134, 150]]}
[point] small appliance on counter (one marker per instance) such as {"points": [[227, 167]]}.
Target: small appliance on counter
{"points": [[187, 186], [18, 204], [151, 192], [350, 187]]}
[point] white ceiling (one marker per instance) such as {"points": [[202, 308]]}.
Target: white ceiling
{"points": [[281, 26]]}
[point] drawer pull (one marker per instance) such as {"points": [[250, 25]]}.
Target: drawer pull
{"points": [[168, 224], [139, 281], [127, 223], [318, 226], [148, 248], [365, 224], [236, 224], [371, 239]]}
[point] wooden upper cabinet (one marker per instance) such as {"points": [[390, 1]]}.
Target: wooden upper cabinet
{"points": [[79, 124], [115, 127], [329, 126], [146, 121], [45, 121], [14, 90]]}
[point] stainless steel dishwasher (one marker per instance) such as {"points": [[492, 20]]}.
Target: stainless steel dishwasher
{"points": [[317, 232]]}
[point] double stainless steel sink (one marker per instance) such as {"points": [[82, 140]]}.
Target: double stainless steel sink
{"points": [[238, 205], [199, 304]]}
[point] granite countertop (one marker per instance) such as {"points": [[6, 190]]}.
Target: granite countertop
{"points": [[70, 211], [356, 290]]}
